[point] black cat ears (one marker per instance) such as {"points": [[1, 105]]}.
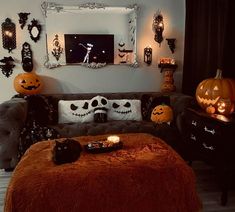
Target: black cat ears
{"points": [[64, 141]]}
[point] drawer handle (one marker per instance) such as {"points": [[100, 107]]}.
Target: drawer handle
{"points": [[193, 137], [194, 123], [210, 131], [208, 147]]}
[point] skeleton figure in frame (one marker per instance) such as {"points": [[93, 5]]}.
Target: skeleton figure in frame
{"points": [[88, 48]]}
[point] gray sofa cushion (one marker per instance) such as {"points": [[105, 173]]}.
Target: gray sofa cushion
{"points": [[12, 118]]}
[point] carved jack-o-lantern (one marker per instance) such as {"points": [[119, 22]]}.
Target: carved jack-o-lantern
{"points": [[28, 83], [210, 91], [225, 106], [169, 79], [168, 87], [162, 113]]}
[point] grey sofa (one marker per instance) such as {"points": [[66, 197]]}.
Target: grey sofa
{"points": [[15, 113]]}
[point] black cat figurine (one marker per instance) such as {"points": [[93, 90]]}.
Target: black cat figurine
{"points": [[66, 151]]}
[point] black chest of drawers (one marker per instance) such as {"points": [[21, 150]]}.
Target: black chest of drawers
{"points": [[211, 138]]}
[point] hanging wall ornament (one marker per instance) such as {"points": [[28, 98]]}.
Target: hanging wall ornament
{"points": [[34, 30], [7, 68], [23, 17], [57, 49], [122, 55], [121, 44], [8, 35], [26, 54], [158, 27]]}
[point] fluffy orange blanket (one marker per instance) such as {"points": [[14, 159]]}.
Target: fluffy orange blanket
{"points": [[145, 176]]}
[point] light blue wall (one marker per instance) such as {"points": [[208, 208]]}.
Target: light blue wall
{"points": [[74, 79]]}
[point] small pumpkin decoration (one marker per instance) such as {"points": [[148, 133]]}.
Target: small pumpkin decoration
{"points": [[28, 83], [162, 113], [211, 90], [210, 109]]}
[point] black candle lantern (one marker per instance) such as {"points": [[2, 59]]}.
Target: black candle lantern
{"points": [[8, 35], [148, 55]]}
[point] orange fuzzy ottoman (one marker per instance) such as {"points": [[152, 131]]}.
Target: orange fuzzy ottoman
{"points": [[146, 175]]}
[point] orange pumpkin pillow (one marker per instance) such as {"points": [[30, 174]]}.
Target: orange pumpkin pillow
{"points": [[162, 114]]}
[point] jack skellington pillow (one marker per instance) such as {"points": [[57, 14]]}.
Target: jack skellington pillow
{"points": [[125, 109], [74, 111], [100, 106]]}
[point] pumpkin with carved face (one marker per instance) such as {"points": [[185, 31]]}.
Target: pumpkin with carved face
{"points": [[168, 87], [225, 106], [162, 113], [28, 83], [210, 91]]}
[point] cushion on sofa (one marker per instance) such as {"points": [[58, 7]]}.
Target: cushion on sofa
{"points": [[125, 109], [100, 106], [39, 109], [149, 102], [74, 111]]}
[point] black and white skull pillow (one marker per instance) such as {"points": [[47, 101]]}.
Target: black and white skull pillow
{"points": [[74, 111], [99, 104], [125, 109]]}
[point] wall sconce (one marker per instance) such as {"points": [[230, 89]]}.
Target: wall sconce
{"points": [[158, 27], [148, 55], [171, 44], [8, 35]]}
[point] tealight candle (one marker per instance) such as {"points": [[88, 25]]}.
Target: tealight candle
{"points": [[113, 138]]}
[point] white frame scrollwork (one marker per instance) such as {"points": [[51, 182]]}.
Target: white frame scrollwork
{"points": [[51, 7]]}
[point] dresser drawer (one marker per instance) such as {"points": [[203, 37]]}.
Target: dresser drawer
{"points": [[210, 129], [204, 143], [209, 137]]}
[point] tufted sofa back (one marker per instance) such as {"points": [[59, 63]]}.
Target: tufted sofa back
{"points": [[177, 101]]}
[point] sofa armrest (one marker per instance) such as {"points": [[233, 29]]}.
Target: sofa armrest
{"points": [[12, 118], [179, 103]]}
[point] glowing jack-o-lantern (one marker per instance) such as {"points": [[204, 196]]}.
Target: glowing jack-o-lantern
{"points": [[28, 83], [225, 106], [210, 91], [161, 114]]}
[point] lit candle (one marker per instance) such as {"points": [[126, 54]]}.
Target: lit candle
{"points": [[113, 138]]}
